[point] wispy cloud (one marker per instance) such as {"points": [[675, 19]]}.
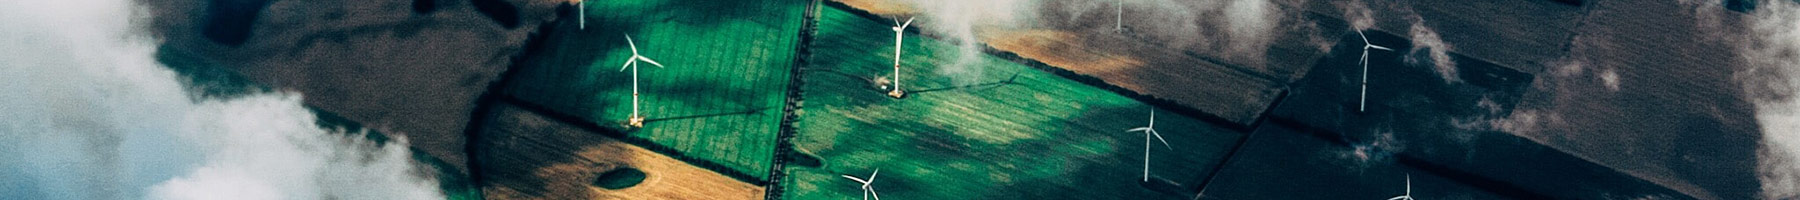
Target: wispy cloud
{"points": [[1430, 50], [1771, 81], [89, 114], [1358, 13], [958, 21], [1239, 30], [1378, 149]]}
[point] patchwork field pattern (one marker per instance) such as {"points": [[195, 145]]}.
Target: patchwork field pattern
{"points": [[719, 97], [978, 128]]}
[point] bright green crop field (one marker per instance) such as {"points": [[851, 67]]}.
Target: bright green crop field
{"points": [[1038, 136], [719, 98], [997, 130]]}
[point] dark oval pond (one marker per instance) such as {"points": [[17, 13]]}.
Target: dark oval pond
{"points": [[621, 178]]}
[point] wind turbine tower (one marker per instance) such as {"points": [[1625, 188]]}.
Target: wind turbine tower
{"points": [[1363, 98], [581, 13], [1119, 17], [899, 32], [1149, 131], [635, 120]]}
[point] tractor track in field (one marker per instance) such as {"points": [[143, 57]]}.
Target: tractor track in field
{"points": [[783, 146]]}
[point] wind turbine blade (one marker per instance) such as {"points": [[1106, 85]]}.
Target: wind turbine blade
{"points": [[1160, 138], [872, 175], [908, 23], [653, 62], [1137, 129], [633, 45], [1152, 118], [872, 192], [1365, 39], [853, 178], [627, 64], [1409, 185], [1379, 47], [1364, 61]]}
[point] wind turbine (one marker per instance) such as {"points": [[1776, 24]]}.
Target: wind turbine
{"points": [[899, 32], [1119, 21], [1408, 195], [867, 191], [1149, 131], [581, 10], [1363, 98], [636, 120]]}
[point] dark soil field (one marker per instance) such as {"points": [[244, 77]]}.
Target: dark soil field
{"points": [[542, 157]]}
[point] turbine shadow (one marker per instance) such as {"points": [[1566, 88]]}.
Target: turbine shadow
{"points": [[841, 73], [1009, 81], [745, 112]]}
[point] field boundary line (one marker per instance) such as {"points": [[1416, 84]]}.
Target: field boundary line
{"points": [[795, 97], [585, 124]]}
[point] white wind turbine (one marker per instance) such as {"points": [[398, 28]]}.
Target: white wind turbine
{"points": [[1149, 131], [899, 32], [636, 120], [581, 10], [1408, 195], [867, 191], [1363, 98], [1119, 20]]}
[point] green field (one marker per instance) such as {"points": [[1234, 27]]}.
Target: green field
{"points": [[720, 96], [1039, 136]]}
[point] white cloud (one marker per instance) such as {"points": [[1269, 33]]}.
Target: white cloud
{"points": [[957, 21], [1358, 13], [1436, 53], [1236, 30], [1376, 150], [87, 113], [1251, 25], [1610, 78], [1772, 81], [269, 146]]}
